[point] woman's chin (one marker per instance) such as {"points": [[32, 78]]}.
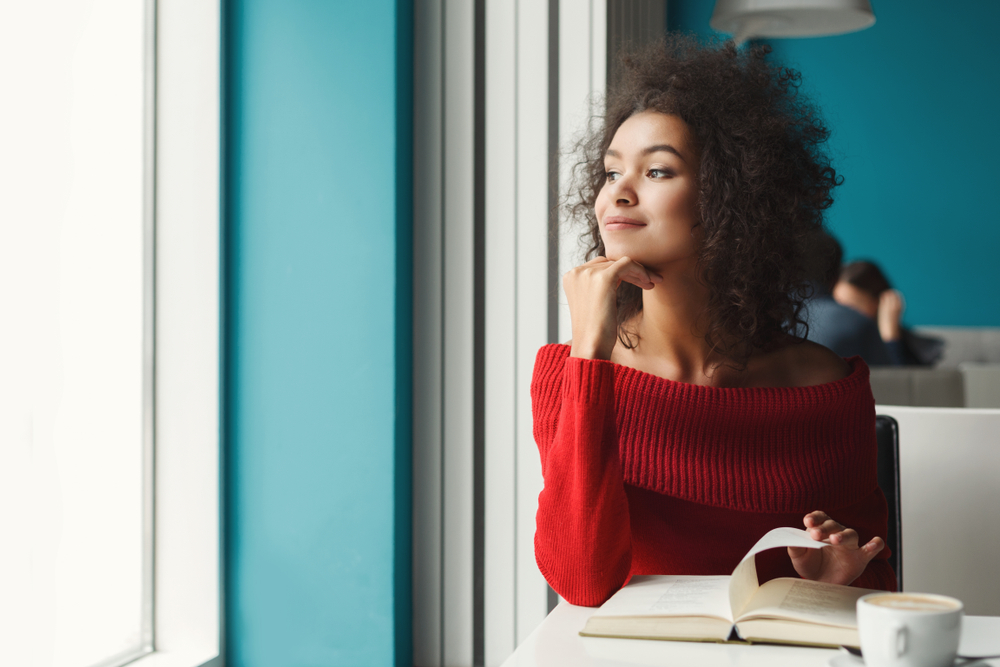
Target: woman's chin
{"points": [[616, 253]]}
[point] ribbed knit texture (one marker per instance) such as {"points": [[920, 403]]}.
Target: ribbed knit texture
{"points": [[648, 476]]}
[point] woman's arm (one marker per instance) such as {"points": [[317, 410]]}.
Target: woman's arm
{"points": [[583, 537]]}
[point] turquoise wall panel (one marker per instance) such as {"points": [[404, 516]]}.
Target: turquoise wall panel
{"points": [[913, 103], [318, 254]]}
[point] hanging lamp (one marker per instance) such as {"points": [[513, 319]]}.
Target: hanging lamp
{"points": [[746, 19]]}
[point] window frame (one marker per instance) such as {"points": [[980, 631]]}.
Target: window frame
{"points": [[184, 254]]}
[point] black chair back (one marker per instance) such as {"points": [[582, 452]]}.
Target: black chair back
{"points": [[887, 436]]}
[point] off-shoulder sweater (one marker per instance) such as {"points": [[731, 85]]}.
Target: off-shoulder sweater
{"points": [[644, 475]]}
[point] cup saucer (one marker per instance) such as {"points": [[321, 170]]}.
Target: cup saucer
{"points": [[848, 660]]}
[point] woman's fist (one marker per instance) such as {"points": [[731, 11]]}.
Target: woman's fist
{"points": [[591, 290]]}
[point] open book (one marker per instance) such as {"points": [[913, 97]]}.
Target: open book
{"points": [[734, 608]]}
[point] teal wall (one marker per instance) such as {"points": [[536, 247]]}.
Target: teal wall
{"points": [[914, 104], [318, 137]]}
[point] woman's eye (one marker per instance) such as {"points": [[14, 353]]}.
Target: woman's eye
{"points": [[612, 176], [658, 173]]}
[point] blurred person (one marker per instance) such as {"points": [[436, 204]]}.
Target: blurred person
{"points": [[863, 287], [843, 329]]}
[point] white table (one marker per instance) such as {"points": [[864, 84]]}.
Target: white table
{"points": [[557, 642]]}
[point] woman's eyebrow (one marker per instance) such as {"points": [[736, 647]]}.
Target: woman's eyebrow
{"points": [[665, 148]]}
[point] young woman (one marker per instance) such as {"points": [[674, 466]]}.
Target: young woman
{"points": [[685, 420]]}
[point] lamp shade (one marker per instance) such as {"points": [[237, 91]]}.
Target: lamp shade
{"points": [[746, 19]]}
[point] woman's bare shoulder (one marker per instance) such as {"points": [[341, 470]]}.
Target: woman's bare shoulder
{"points": [[799, 364]]}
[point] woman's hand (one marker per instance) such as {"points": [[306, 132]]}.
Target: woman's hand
{"points": [[840, 563], [591, 289], [890, 314]]}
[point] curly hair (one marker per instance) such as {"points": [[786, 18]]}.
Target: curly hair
{"points": [[764, 182]]}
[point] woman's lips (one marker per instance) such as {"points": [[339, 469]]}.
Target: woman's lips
{"points": [[613, 222]]}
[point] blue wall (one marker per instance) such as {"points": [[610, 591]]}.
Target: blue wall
{"points": [[318, 245], [914, 104]]}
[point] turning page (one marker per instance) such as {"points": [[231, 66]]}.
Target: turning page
{"points": [[744, 584]]}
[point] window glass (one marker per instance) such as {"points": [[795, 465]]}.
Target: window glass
{"points": [[74, 557]]}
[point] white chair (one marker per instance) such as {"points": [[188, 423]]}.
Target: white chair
{"points": [[949, 460]]}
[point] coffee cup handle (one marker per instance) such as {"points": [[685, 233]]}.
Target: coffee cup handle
{"points": [[898, 636]]}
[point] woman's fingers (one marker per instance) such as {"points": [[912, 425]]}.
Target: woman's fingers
{"points": [[624, 268], [845, 538], [863, 555], [814, 519], [821, 527], [843, 561], [824, 529], [630, 271], [875, 545]]}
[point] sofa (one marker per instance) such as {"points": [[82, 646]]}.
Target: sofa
{"points": [[968, 374]]}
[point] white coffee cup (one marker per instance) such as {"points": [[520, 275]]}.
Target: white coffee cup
{"points": [[909, 629]]}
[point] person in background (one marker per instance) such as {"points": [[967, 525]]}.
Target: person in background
{"points": [[844, 329], [863, 287]]}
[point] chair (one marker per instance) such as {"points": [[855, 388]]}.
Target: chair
{"points": [[887, 436], [948, 470]]}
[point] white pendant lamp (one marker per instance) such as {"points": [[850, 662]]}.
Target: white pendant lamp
{"points": [[746, 19]]}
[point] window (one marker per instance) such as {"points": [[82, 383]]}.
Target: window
{"points": [[77, 381], [77, 391]]}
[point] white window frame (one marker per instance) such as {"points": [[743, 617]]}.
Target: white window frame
{"points": [[583, 39], [514, 595], [516, 311], [187, 620]]}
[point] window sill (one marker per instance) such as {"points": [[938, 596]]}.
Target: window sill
{"points": [[179, 659]]}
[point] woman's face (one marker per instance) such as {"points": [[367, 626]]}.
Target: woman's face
{"points": [[648, 207]]}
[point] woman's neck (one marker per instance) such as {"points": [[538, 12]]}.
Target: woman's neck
{"points": [[671, 333]]}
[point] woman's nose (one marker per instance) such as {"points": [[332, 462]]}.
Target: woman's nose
{"points": [[624, 193]]}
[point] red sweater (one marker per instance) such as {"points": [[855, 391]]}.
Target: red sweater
{"points": [[644, 475]]}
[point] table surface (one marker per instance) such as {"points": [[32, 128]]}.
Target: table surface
{"points": [[556, 641]]}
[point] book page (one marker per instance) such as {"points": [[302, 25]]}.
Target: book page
{"points": [[772, 630], [803, 600], [671, 595], [744, 584]]}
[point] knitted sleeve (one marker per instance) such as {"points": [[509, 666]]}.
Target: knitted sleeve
{"points": [[582, 536]]}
